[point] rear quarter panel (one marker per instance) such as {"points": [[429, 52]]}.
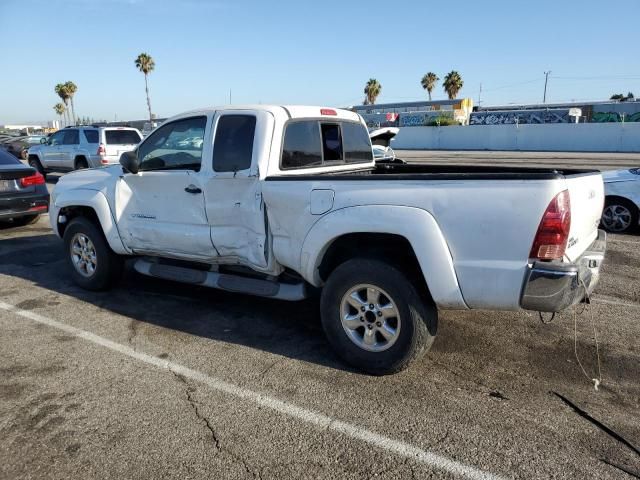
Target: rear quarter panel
{"points": [[488, 225]]}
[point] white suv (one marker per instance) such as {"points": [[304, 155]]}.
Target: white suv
{"points": [[73, 148]]}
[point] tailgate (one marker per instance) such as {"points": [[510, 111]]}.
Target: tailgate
{"points": [[586, 192]]}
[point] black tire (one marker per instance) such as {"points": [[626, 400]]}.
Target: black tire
{"points": [[81, 163], [109, 265], [34, 162], [631, 208], [26, 220], [417, 313]]}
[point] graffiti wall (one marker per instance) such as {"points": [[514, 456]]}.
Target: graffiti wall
{"points": [[616, 112], [506, 117]]}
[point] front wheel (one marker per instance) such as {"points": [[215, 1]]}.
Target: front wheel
{"points": [[374, 318], [94, 266]]}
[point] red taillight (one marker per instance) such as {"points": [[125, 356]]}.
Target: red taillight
{"points": [[328, 111], [552, 235], [101, 150], [36, 179]]}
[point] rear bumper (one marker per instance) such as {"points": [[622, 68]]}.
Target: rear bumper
{"points": [[552, 287], [22, 205]]}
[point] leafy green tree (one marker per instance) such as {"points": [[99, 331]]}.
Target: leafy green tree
{"points": [[452, 84], [428, 82], [144, 62], [371, 91]]}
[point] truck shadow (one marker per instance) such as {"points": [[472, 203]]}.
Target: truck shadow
{"points": [[293, 329]]}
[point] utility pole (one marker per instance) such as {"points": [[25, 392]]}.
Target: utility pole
{"points": [[546, 79], [480, 94], [229, 96]]}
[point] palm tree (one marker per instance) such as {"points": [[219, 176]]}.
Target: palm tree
{"points": [[71, 89], [59, 108], [429, 82], [61, 90], [145, 64], [452, 84], [371, 91]]}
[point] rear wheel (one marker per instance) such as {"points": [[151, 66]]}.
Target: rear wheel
{"points": [[619, 215], [94, 266], [34, 162], [81, 163], [374, 318]]}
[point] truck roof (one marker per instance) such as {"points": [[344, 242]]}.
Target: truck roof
{"points": [[292, 111]]}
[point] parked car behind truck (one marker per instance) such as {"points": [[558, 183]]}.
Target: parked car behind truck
{"points": [[75, 148], [276, 199], [621, 212]]}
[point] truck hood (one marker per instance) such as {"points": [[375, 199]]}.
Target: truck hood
{"points": [[91, 178], [623, 175]]}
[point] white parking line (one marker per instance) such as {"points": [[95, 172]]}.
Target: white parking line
{"points": [[308, 416]]}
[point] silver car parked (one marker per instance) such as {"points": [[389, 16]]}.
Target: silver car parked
{"points": [[74, 148]]}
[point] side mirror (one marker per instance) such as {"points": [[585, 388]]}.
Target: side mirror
{"points": [[130, 162], [44, 140]]}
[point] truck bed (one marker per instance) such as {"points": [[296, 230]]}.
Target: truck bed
{"points": [[415, 171]]}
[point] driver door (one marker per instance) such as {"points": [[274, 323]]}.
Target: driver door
{"points": [[161, 209], [51, 150]]}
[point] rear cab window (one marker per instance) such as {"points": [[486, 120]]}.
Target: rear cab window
{"points": [[122, 137], [317, 143]]}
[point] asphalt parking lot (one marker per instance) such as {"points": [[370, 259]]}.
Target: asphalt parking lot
{"points": [[161, 380]]}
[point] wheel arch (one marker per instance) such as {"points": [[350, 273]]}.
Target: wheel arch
{"points": [[406, 233], [622, 198], [78, 158], [91, 204]]}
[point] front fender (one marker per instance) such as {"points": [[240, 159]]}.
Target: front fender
{"points": [[95, 200], [416, 225]]}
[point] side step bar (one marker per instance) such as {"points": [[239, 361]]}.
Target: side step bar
{"points": [[223, 281]]}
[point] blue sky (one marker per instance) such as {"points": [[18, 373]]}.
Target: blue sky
{"points": [[309, 52]]}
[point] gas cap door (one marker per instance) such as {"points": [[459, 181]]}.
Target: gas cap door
{"points": [[321, 201]]}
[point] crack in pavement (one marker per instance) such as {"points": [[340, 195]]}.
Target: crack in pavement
{"points": [[216, 441], [133, 332]]}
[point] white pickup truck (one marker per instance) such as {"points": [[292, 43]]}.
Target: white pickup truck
{"points": [[276, 200]]}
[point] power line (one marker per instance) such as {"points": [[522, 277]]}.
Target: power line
{"points": [[511, 85]]}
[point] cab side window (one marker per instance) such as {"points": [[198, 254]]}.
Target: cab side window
{"points": [[233, 147], [174, 146]]}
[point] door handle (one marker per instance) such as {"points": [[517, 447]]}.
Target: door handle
{"points": [[192, 189]]}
